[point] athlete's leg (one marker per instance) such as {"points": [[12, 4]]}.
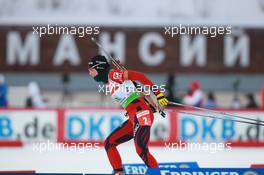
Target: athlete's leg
{"points": [[141, 139], [118, 136]]}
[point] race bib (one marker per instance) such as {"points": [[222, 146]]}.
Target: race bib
{"points": [[143, 118]]}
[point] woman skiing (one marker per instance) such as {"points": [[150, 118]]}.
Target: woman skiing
{"points": [[140, 114]]}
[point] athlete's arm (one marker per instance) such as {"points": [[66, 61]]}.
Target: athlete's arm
{"points": [[138, 76], [119, 76]]}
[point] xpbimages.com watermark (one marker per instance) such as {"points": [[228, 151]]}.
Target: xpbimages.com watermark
{"points": [[146, 89], [211, 147], [48, 146], [211, 31], [79, 31]]}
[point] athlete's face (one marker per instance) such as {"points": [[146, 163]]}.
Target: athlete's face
{"points": [[92, 72]]}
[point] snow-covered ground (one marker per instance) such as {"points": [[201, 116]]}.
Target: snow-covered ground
{"points": [[95, 160]]}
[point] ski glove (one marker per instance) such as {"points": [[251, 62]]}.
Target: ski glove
{"points": [[162, 100]]}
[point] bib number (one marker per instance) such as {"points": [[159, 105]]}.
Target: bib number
{"points": [[143, 118]]}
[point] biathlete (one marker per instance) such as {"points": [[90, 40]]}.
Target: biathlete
{"points": [[140, 113]]}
